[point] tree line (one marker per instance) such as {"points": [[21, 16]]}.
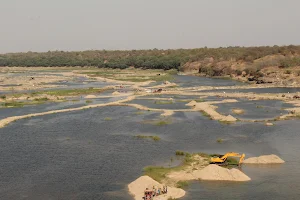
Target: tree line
{"points": [[148, 59]]}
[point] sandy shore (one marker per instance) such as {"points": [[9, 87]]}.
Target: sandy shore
{"points": [[137, 188]]}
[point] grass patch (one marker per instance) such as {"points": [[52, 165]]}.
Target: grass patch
{"points": [[226, 122], [70, 92], [107, 118], [205, 114], [182, 184], [219, 140], [41, 99], [157, 173], [162, 123], [3, 97], [88, 101], [13, 104], [232, 161], [18, 104], [160, 173], [259, 106], [154, 138], [179, 153]]}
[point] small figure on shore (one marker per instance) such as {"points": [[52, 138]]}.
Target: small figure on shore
{"points": [[154, 191], [164, 189]]}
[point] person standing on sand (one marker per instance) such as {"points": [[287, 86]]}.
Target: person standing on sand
{"points": [[154, 191]]}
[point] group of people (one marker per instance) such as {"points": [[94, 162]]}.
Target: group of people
{"points": [[150, 194]]}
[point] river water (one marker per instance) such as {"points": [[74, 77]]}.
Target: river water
{"points": [[83, 155]]}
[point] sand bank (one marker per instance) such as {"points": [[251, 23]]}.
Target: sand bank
{"points": [[217, 173], [137, 187], [209, 173], [265, 159], [210, 109]]}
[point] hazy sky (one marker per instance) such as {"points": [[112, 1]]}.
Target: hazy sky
{"points": [[42, 25]]}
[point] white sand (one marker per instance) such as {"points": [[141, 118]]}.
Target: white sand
{"points": [[265, 159], [137, 187], [269, 124], [90, 97], [217, 173]]}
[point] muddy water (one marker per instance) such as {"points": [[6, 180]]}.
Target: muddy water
{"points": [[81, 155]]}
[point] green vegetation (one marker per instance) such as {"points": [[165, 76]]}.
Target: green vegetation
{"points": [[232, 161], [182, 184], [259, 106], [152, 59], [160, 173], [70, 92], [18, 104], [3, 97], [88, 101], [41, 99], [154, 138], [226, 122], [13, 104], [205, 114], [179, 153], [162, 123], [107, 118], [219, 140]]}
